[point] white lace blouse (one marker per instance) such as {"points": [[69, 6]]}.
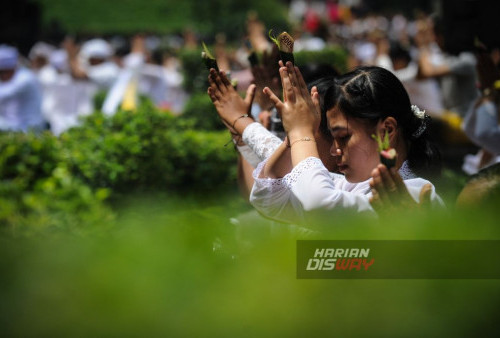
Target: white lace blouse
{"points": [[309, 189], [260, 143]]}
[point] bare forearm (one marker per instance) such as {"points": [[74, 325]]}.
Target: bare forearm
{"points": [[245, 179], [279, 164], [302, 145]]}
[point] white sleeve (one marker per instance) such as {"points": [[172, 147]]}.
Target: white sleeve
{"points": [[312, 184], [249, 155], [273, 199], [19, 83], [307, 191], [260, 140], [414, 186]]}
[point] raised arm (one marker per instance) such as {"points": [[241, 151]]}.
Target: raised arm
{"points": [[233, 110], [299, 112]]}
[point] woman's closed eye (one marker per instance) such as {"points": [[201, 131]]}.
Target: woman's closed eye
{"points": [[342, 139]]}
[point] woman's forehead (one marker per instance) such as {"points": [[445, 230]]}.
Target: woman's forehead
{"points": [[335, 117]]}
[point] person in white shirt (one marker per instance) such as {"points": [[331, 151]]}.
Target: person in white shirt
{"points": [[293, 185], [481, 124], [93, 62], [254, 142], [20, 96], [456, 71]]}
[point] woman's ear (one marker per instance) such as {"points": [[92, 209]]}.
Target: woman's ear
{"points": [[390, 126]]}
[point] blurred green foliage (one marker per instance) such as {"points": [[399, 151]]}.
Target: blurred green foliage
{"points": [[49, 182], [176, 266], [333, 56], [160, 16], [201, 111], [194, 71], [147, 149]]}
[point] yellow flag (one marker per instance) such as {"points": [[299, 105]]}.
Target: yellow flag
{"points": [[130, 97]]}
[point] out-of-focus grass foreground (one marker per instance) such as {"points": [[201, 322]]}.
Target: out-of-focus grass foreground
{"points": [[132, 226]]}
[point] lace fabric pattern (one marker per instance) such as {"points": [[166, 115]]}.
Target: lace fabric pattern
{"points": [[272, 184], [303, 166], [405, 171], [314, 162], [261, 140], [275, 184]]}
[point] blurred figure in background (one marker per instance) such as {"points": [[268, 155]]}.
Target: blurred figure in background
{"points": [[481, 123], [39, 56], [455, 71], [20, 95], [93, 62], [483, 188], [65, 99], [147, 72]]}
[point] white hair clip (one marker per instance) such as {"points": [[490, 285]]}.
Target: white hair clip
{"points": [[421, 115], [418, 112]]}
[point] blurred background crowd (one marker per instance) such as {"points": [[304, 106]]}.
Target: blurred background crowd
{"points": [[54, 64]]}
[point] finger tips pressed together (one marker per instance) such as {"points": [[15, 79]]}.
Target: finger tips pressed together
{"points": [[375, 200], [287, 84], [425, 193], [300, 78], [225, 78], [398, 180], [375, 173], [214, 93], [372, 183], [210, 94], [291, 73], [218, 82], [379, 185], [386, 178]]}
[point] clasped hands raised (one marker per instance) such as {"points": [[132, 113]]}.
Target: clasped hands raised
{"points": [[299, 109], [389, 192]]}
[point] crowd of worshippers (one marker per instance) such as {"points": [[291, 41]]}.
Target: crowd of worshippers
{"points": [[325, 157], [52, 87]]}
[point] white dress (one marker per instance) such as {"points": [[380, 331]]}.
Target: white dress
{"points": [[260, 143], [309, 191]]}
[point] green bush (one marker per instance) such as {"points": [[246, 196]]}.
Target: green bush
{"points": [[202, 113], [194, 71], [334, 56], [148, 150], [48, 182], [24, 158], [59, 202]]}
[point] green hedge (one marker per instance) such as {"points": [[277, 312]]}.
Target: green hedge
{"points": [[159, 16], [71, 176], [334, 56], [201, 113]]}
